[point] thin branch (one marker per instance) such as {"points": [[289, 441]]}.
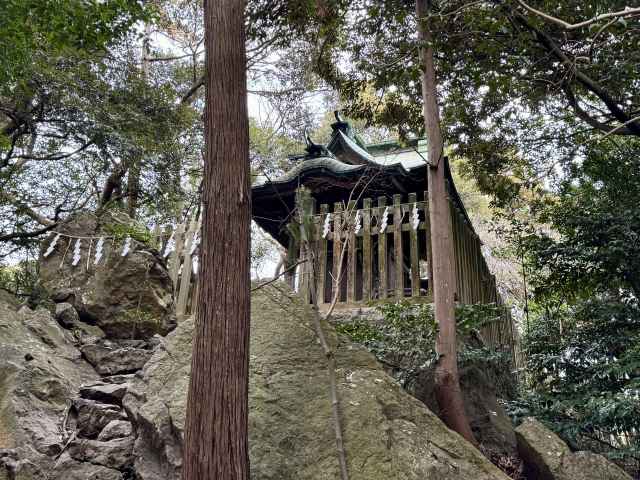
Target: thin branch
{"points": [[278, 276], [635, 119], [586, 81], [628, 11], [186, 98]]}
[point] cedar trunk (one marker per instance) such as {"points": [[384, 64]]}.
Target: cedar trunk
{"points": [[447, 381], [217, 407]]}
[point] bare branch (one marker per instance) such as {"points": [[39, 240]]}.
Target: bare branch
{"points": [[628, 11]]}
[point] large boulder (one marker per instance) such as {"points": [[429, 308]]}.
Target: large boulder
{"points": [[40, 372], [487, 417], [388, 434], [128, 297], [547, 457]]}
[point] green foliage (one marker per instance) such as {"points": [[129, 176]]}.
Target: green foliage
{"points": [[58, 27], [22, 281], [583, 368], [121, 231], [581, 346], [405, 338]]}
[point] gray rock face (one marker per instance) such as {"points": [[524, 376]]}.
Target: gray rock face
{"points": [[547, 457], [104, 392], [109, 359], [115, 429], [93, 417], [40, 371], [388, 433], [489, 421], [116, 453], [128, 297], [67, 315], [69, 469]]}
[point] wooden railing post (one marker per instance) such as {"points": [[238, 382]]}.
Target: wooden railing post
{"points": [[351, 257], [337, 250], [185, 280], [322, 254], [382, 251], [397, 245], [415, 263], [427, 230], [367, 261], [176, 255]]}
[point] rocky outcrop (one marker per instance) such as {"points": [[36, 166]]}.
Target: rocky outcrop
{"points": [[128, 297], [111, 358], [58, 421], [488, 419], [547, 457], [40, 372], [483, 385], [388, 433]]}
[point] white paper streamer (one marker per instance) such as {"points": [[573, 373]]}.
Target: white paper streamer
{"points": [[195, 263], [415, 218], [76, 252], [52, 246], [383, 221], [327, 226], [98, 254], [358, 223], [169, 247], [126, 247], [195, 242]]}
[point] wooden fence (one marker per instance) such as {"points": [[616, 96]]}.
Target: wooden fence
{"points": [[373, 262], [180, 246], [383, 252]]}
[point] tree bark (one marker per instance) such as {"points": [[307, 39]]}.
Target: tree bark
{"points": [[447, 380], [216, 444]]}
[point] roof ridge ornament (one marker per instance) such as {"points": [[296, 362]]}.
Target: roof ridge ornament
{"points": [[341, 124], [314, 150]]}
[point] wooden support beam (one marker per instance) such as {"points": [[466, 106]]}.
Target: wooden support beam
{"points": [[185, 280], [351, 254], [397, 245], [337, 249], [427, 229], [366, 250], [415, 263], [322, 254], [176, 255], [382, 251]]}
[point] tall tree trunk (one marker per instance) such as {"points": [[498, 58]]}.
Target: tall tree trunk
{"points": [[447, 380], [216, 424], [133, 179]]}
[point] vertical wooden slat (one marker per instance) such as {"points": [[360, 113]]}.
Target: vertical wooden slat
{"points": [[455, 238], [291, 256], [382, 251], [351, 260], [337, 248], [304, 205], [176, 255], [468, 257], [322, 254], [427, 230], [397, 244], [476, 268], [366, 250], [185, 280], [415, 263], [156, 241]]}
